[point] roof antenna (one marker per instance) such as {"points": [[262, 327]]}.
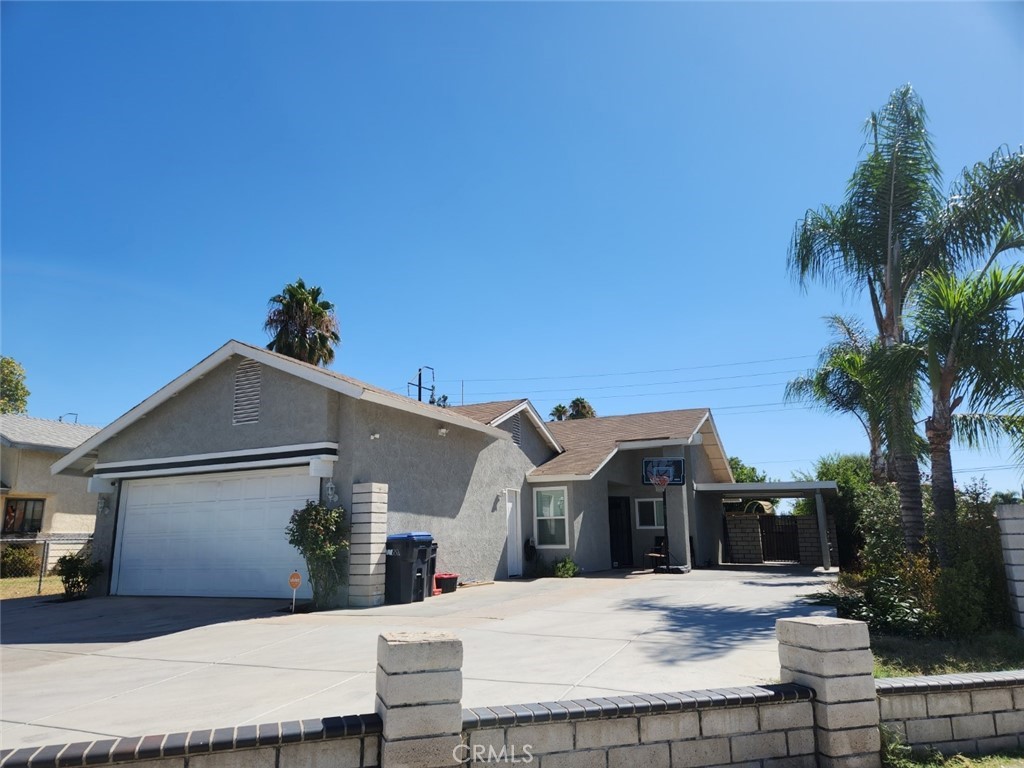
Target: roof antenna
{"points": [[69, 413]]}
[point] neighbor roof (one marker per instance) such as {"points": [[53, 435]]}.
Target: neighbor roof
{"points": [[496, 412], [19, 431], [333, 380], [591, 443]]}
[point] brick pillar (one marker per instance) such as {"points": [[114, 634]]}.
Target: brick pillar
{"points": [[419, 699], [1011, 534], [833, 656], [368, 539]]}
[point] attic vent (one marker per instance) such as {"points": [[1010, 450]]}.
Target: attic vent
{"points": [[247, 394], [517, 430]]}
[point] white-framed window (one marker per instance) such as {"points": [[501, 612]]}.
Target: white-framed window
{"points": [[550, 518], [650, 513]]}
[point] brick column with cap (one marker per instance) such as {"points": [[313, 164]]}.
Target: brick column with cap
{"points": [[833, 656], [1011, 535], [367, 544], [419, 699]]}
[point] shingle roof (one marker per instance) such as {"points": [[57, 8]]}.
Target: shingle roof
{"points": [[486, 413], [589, 442], [29, 432]]}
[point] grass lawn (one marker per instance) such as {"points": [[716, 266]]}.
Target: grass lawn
{"points": [[906, 656], [27, 586], [959, 761]]}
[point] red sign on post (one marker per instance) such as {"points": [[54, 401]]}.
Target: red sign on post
{"points": [[295, 580]]}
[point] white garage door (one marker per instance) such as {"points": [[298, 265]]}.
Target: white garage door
{"points": [[220, 535]]}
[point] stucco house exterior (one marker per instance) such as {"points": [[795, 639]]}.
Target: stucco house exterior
{"points": [[203, 475], [36, 503]]}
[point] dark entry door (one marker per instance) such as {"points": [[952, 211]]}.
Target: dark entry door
{"points": [[620, 532]]}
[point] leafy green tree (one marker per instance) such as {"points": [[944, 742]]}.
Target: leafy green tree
{"points": [[559, 413], [1007, 497], [13, 392], [745, 473], [852, 473], [302, 324], [972, 356], [579, 408], [893, 226]]}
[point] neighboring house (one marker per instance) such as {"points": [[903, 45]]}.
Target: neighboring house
{"points": [[204, 474], [37, 504]]}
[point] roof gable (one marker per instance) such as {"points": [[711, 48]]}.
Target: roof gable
{"points": [[494, 413], [20, 431], [332, 380]]}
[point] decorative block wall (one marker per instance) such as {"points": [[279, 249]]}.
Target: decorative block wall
{"points": [[1011, 534], [744, 539], [367, 545]]}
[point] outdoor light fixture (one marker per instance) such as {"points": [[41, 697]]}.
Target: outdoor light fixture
{"points": [[442, 431], [375, 435], [101, 506], [329, 489]]}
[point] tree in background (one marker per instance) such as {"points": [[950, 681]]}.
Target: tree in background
{"points": [[579, 408], [852, 472], [745, 473], [302, 324], [893, 227], [559, 413], [13, 392], [972, 355]]}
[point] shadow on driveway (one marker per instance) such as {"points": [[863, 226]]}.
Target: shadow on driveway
{"points": [[48, 620]]}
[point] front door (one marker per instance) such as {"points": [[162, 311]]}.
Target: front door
{"points": [[620, 532], [515, 533]]}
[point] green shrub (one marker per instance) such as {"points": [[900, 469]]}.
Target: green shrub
{"points": [[77, 571], [566, 568], [18, 561], [321, 535]]}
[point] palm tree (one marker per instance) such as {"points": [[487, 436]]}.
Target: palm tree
{"points": [[842, 383], [302, 325], [559, 412], [894, 226], [972, 355], [579, 408]]}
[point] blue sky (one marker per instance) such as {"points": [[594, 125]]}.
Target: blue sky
{"points": [[529, 197]]}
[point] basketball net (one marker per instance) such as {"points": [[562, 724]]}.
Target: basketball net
{"points": [[658, 481]]}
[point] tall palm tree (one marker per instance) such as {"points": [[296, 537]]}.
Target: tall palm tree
{"points": [[893, 226], [972, 355], [302, 324], [842, 383], [579, 408], [559, 413]]}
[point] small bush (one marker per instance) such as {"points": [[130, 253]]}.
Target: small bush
{"points": [[18, 561], [566, 568], [77, 571], [321, 535]]}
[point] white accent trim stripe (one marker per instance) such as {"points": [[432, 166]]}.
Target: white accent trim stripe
{"points": [[205, 469], [219, 455]]}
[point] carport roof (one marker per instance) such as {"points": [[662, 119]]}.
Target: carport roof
{"points": [[796, 490]]}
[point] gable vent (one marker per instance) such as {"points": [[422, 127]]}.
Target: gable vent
{"points": [[517, 430], [247, 393]]}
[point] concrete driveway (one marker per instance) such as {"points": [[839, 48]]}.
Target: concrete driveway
{"points": [[124, 666]]}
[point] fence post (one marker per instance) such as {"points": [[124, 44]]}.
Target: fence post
{"points": [[1011, 536], [368, 541], [833, 656], [419, 699]]}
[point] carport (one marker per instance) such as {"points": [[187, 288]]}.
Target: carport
{"points": [[816, 489]]}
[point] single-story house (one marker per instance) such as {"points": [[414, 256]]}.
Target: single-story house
{"points": [[203, 476], [37, 504]]}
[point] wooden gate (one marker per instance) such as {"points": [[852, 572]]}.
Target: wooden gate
{"points": [[780, 541]]}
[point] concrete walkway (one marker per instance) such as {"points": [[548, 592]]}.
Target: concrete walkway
{"points": [[134, 666]]}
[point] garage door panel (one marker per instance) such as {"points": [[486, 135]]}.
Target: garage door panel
{"points": [[212, 535]]}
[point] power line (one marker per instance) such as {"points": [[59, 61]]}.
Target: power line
{"points": [[635, 373], [637, 384]]}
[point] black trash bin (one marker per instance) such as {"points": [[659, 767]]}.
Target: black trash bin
{"points": [[406, 567]]}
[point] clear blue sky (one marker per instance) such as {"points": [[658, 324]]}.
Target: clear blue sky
{"points": [[527, 197]]}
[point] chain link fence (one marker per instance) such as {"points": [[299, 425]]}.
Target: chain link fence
{"points": [[29, 555]]}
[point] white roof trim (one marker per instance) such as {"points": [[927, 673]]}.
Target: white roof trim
{"points": [[718, 438], [103, 468], [668, 442], [535, 418], [207, 469], [231, 348]]}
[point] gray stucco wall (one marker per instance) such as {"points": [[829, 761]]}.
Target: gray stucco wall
{"points": [[451, 486], [198, 420], [533, 444], [707, 511]]}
